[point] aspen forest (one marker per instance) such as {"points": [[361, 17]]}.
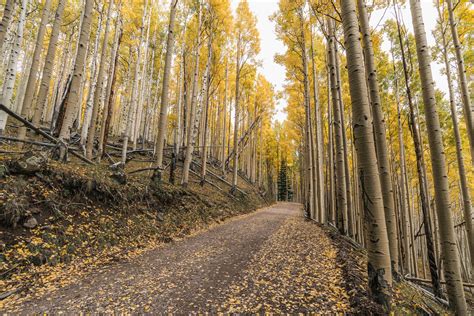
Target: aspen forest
{"points": [[237, 157]]}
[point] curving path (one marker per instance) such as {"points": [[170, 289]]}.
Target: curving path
{"points": [[270, 260]]}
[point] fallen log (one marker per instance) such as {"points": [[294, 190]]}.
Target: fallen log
{"points": [[219, 178], [212, 184], [148, 169], [413, 279], [26, 141], [44, 134]]}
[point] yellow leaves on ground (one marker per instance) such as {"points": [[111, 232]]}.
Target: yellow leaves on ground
{"points": [[295, 271]]}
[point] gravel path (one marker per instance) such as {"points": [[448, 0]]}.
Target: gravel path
{"points": [[270, 260]]}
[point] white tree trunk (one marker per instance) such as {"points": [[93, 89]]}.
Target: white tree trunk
{"points": [[99, 86], [73, 102], [48, 64], [10, 76], [452, 267], [163, 120], [31, 82]]}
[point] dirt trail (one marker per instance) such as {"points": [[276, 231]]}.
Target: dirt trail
{"points": [[270, 260]]}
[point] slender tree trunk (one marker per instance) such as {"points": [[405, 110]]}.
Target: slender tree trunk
{"points": [[206, 113], [12, 67], [380, 137], [379, 264], [31, 82], [163, 120], [341, 200], [420, 165], [5, 23], [99, 87], [72, 101], [193, 104], [465, 195], [404, 197], [447, 237], [224, 113], [344, 145], [236, 119], [319, 143], [466, 101], [179, 105], [330, 173], [133, 105], [48, 64], [110, 90], [308, 125]]}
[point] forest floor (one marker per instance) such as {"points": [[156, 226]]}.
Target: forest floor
{"points": [[272, 260], [99, 245]]}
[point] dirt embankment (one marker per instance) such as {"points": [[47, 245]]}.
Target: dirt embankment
{"points": [[58, 221]]}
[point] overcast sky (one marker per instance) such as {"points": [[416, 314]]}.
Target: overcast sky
{"points": [[270, 46]]}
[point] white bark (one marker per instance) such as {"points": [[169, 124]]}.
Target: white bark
{"points": [[10, 76]]}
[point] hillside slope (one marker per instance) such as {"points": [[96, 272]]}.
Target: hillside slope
{"points": [[59, 221]]}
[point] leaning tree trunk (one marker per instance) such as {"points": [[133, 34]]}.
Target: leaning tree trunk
{"points": [[72, 102], [31, 82], [466, 101], [379, 269], [452, 270], [12, 67], [163, 120], [48, 64], [380, 137], [465, 194]]}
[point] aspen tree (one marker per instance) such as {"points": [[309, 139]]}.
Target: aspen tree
{"points": [[31, 81], [163, 120], [319, 142], [224, 114], [111, 83], [247, 43], [452, 269], [341, 199], [92, 89], [379, 266], [206, 110], [193, 100], [133, 106], [422, 180], [99, 86], [72, 102], [5, 23], [380, 136], [465, 194], [463, 85], [12, 67], [40, 105]]}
